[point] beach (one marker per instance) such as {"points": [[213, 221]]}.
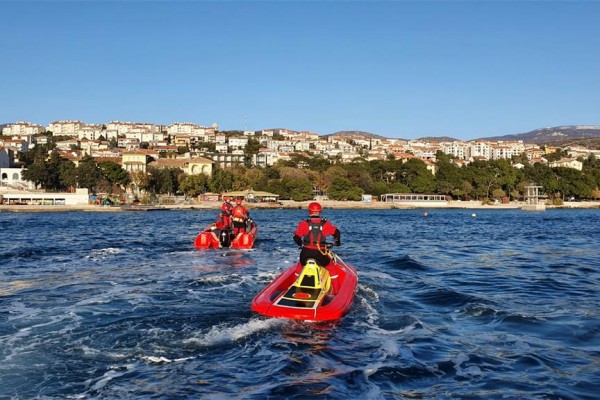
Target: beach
{"points": [[288, 204]]}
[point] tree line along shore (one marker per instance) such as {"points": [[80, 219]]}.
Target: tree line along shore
{"points": [[291, 205]]}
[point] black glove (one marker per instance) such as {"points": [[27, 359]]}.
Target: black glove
{"points": [[298, 240], [337, 242]]}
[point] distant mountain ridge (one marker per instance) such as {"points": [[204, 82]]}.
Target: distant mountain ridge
{"points": [[569, 134], [553, 135]]}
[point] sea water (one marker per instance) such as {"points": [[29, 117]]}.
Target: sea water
{"points": [[498, 305]]}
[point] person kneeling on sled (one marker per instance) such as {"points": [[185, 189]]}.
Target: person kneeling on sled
{"points": [[240, 216], [311, 235]]}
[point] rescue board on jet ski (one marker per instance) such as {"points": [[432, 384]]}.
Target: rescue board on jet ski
{"points": [[212, 238], [305, 292]]}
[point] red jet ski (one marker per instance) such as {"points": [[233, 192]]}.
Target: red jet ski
{"points": [[215, 236], [305, 292]]}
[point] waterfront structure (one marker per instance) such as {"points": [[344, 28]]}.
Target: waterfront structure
{"points": [[80, 197], [532, 199], [404, 200]]}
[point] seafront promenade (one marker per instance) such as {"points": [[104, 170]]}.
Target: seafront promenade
{"points": [[285, 204]]}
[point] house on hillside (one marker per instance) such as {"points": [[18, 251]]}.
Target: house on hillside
{"points": [[567, 163], [191, 166], [137, 160]]}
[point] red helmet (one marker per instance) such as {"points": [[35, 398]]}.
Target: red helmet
{"points": [[238, 200], [314, 208], [227, 198]]}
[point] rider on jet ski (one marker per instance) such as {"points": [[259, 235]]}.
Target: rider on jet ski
{"points": [[311, 235]]}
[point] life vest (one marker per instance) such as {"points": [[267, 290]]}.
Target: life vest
{"points": [[239, 214], [314, 239], [226, 209]]}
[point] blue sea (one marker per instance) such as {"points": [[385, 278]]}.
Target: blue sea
{"points": [[497, 305]]}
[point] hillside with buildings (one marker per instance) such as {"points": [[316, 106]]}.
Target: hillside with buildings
{"points": [[198, 150], [147, 158], [146, 143]]}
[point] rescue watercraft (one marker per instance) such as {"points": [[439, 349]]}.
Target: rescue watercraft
{"points": [[305, 292], [215, 237]]}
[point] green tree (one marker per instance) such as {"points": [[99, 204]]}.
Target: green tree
{"points": [[344, 189], [194, 185], [221, 181], [68, 174], [36, 172], [297, 189], [448, 178], [89, 173], [416, 176], [114, 173]]}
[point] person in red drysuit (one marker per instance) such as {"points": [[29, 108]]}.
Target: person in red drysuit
{"points": [[311, 235], [226, 210], [240, 216]]}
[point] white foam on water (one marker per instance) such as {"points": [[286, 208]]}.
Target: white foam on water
{"points": [[219, 334], [98, 254], [110, 375], [89, 351], [161, 360]]}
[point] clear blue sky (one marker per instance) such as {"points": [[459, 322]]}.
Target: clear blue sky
{"points": [[395, 68]]}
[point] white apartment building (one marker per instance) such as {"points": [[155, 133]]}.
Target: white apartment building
{"points": [[225, 160], [302, 146], [65, 128], [323, 147], [190, 129], [499, 152], [455, 149], [23, 129], [221, 147], [123, 128], [65, 145], [89, 132], [220, 138], [204, 132], [346, 147], [237, 142], [144, 136], [478, 149], [272, 145], [178, 128], [287, 133], [128, 143], [265, 158]]}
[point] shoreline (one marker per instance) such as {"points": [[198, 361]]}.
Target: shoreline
{"points": [[289, 204]]}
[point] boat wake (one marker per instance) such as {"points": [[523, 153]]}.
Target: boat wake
{"points": [[220, 334]]}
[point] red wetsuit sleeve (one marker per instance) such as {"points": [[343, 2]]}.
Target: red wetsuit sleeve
{"points": [[329, 229], [302, 229]]}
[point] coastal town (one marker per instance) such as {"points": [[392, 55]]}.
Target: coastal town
{"points": [[202, 150]]}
